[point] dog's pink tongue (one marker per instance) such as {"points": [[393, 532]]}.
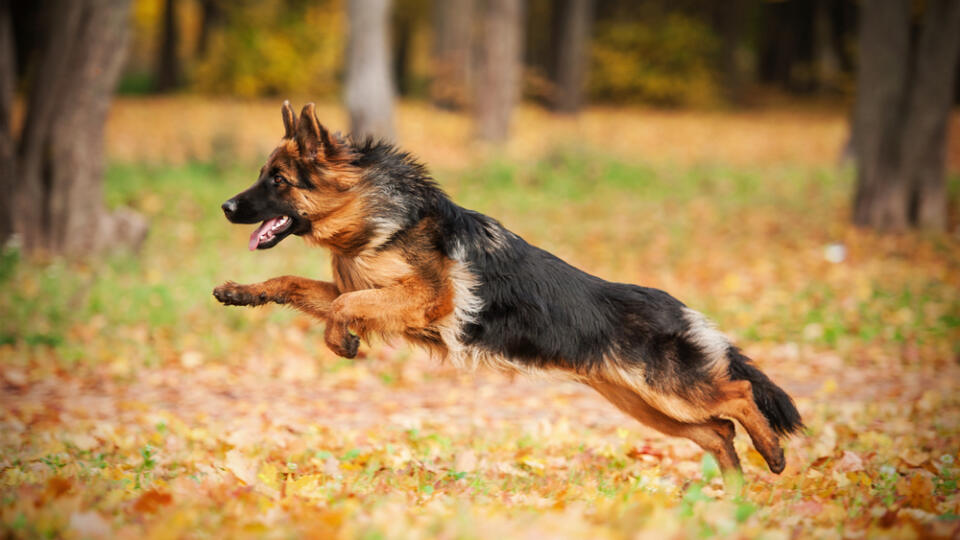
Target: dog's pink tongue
{"points": [[255, 236]]}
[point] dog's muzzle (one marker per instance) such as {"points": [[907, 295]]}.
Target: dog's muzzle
{"points": [[229, 208]]}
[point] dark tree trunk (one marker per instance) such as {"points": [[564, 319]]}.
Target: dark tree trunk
{"points": [[730, 19], [403, 25], [901, 115], [211, 18], [8, 151], [576, 18], [452, 53], [786, 50], [168, 60], [825, 51], [880, 199], [369, 88], [928, 112], [57, 198], [498, 76]]}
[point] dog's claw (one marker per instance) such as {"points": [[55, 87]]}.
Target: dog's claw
{"points": [[350, 346]]}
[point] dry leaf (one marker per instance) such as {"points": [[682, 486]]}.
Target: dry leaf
{"points": [[151, 501]]}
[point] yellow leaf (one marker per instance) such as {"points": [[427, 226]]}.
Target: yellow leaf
{"points": [[305, 486], [269, 476], [756, 459], [535, 465]]}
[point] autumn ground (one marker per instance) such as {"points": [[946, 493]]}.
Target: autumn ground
{"points": [[134, 405]]}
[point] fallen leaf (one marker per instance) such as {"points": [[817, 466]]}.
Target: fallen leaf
{"points": [[151, 501], [645, 450], [850, 462], [466, 461], [89, 525], [241, 467]]}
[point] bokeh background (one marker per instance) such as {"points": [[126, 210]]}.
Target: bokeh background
{"points": [[791, 168]]}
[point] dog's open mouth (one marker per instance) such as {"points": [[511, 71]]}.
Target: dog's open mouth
{"points": [[270, 232]]}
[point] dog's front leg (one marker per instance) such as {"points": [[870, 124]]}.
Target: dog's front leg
{"points": [[389, 310], [307, 295]]}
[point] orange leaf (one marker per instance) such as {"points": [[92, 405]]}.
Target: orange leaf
{"points": [[152, 500]]}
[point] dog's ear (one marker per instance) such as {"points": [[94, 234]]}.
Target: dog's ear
{"points": [[289, 120], [314, 139]]}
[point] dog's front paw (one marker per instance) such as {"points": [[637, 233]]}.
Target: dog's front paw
{"points": [[346, 347], [234, 294]]}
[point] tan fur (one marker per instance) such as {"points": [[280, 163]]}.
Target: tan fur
{"points": [[737, 403], [715, 435]]}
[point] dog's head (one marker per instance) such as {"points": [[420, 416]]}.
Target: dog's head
{"points": [[306, 178]]}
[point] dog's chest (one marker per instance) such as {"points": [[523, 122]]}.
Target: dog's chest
{"points": [[372, 271]]}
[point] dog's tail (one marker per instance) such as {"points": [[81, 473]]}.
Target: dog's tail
{"points": [[777, 407]]}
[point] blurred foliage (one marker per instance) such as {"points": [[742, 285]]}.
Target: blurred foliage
{"points": [[295, 47], [657, 52], [665, 60], [259, 48], [269, 48]]}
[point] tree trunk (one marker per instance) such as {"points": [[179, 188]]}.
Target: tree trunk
{"points": [[498, 77], [58, 205], [211, 17], [881, 196], [168, 60], [31, 216], [369, 88], [8, 152], [403, 28], [572, 54], [786, 50], [925, 132], [730, 18], [452, 53], [900, 120], [825, 51]]}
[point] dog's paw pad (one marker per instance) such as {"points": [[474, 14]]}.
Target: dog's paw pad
{"points": [[348, 347], [231, 294]]}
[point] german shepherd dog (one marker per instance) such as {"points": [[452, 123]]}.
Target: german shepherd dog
{"points": [[409, 262]]}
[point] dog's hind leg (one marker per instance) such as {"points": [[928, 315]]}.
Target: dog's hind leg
{"points": [[737, 402], [714, 435]]}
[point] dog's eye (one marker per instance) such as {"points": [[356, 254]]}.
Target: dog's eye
{"points": [[277, 180]]}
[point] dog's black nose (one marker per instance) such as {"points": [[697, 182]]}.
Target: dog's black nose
{"points": [[229, 207]]}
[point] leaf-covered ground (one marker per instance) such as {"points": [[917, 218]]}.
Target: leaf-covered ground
{"points": [[133, 405]]}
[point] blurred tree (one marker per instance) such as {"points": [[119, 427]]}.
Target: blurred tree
{"points": [[572, 37], [666, 60], [55, 200], [453, 62], [786, 45], [369, 85], [411, 19], [275, 48], [168, 70], [904, 94], [8, 152], [730, 21], [826, 58], [497, 88], [212, 16]]}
